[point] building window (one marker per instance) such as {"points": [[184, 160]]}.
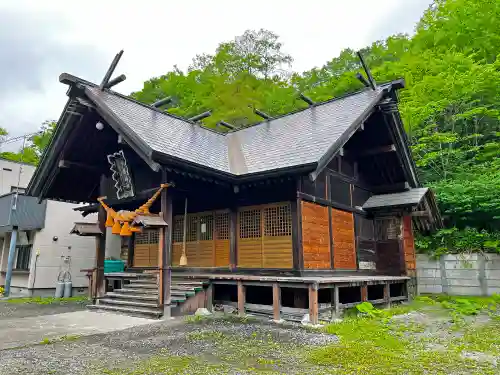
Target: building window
{"points": [[23, 257]]}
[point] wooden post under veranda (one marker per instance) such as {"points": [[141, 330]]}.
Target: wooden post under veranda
{"points": [[165, 274]]}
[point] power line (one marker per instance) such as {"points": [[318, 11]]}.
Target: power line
{"points": [[14, 139]]}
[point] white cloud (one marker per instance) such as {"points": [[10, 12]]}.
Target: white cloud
{"points": [[82, 38]]}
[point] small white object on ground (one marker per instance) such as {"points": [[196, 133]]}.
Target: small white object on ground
{"points": [[202, 311], [305, 319]]}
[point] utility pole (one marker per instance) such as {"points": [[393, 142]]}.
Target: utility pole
{"points": [[13, 234]]}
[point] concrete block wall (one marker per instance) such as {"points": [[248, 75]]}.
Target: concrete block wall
{"points": [[464, 275]]}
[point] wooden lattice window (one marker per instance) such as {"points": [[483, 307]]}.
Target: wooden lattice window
{"points": [[154, 236], [222, 226], [178, 233], [142, 238], [192, 228], [278, 221], [250, 221], [206, 227]]}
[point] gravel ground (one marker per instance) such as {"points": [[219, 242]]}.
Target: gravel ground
{"points": [[90, 355], [23, 310]]}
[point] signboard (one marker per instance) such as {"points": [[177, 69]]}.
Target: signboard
{"points": [[121, 175]]}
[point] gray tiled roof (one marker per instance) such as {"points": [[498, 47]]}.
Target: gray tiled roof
{"points": [[292, 140], [410, 197], [168, 134]]}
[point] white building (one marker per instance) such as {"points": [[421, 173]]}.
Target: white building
{"points": [[45, 249]]}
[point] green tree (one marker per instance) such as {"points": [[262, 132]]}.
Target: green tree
{"points": [[451, 106], [34, 145]]}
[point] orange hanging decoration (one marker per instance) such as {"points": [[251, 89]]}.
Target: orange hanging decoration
{"points": [[117, 228], [109, 221], [126, 232], [120, 222]]}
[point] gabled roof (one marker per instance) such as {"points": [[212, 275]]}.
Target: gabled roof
{"points": [[305, 140], [300, 138]]}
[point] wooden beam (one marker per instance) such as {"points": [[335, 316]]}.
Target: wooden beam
{"points": [[111, 69], [72, 164], [373, 151], [276, 302], [241, 298], [393, 188], [313, 304], [420, 214], [115, 81]]}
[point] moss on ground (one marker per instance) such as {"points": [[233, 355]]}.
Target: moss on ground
{"points": [[424, 337], [45, 300]]}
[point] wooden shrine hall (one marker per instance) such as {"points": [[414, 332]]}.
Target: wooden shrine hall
{"points": [[308, 212]]}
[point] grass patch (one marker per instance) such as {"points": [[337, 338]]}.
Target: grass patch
{"points": [[45, 300], [429, 340], [65, 338], [170, 365], [374, 344]]}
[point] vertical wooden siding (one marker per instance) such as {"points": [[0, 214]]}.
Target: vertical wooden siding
{"points": [[315, 236], [146, 248], [208, 248], [344, 246], [264, 238], [409, 244]]}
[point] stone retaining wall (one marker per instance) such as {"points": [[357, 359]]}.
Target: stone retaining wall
{"points": [[472, 275]]}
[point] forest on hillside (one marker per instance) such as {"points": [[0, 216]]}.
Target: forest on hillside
{"points": [[450, 107]]}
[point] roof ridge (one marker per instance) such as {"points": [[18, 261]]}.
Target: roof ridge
{"points": [[69, 78]]}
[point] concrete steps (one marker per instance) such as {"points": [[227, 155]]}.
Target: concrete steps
{"points": [[138, 295], [134, 311]]}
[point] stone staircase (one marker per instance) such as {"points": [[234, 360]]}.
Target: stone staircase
{"points": [[138, 295]]}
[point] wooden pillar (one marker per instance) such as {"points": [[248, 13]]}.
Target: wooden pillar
{"points": [[364, 293], [209, 297], [100, 286], [130, 255], [241, 298], [387, 294], [296, 229], [166, 241], [276, 302], [335, 301], [313, 303]]}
